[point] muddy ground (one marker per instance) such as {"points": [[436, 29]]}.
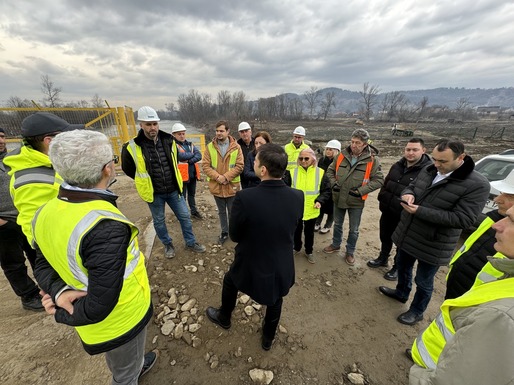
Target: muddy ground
{"points": [[334, 320]]}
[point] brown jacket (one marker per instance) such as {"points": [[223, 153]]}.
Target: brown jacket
{"points": [[223, 168]]}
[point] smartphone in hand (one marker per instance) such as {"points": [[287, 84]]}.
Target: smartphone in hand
{"points": [[402, 201]]}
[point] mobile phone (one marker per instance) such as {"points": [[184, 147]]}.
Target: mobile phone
{"points": [[402, 201]]}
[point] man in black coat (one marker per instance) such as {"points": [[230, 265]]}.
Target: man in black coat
{"points": [[445, 198], [262, 222], [401, 174]]}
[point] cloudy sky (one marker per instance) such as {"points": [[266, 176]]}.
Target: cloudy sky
{"points": [[149, 52]]}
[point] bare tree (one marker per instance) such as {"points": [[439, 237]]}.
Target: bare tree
{"points": [[17, 102], [239, 105], [96, 101], [328, 103], [50, 91], [295, 109], [422, 107], [224, 100], [464, 109], [312, 97], [369, 96]]}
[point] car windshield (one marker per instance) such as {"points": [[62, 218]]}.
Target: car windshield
{"points": [[494, 169]]}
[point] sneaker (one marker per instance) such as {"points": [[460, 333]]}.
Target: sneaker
{"points": [[32, 302], [331, 249], [317, 227], [196, 247], [222, 238], [148, 363], [169, 251], [197, 215], [325, 230], [310, 258]]}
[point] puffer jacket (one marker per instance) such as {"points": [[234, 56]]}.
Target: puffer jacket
{"points": [[223, 168], [398, 178], [351, 177], [445, 209]]}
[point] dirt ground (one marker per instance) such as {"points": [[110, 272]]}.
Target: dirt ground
{"points": [[334, 320]]}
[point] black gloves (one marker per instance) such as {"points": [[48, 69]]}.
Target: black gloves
{"points": [[354, 193]]}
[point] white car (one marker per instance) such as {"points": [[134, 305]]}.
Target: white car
{"points": [[494, 168]]}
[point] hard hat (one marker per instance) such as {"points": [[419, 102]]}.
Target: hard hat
{"points": [[334, 144], [299, 131], [177, 127], [243, 126], [506, 185], [147, 114]]}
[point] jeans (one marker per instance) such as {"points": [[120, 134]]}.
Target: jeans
{"points": [[353, 233], [126, 361], [424, 279], [307, 227], [228, 303], [189, 192], [224, 210], [12, 245], [178, 205]]}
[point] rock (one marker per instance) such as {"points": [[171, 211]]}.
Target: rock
{"points": [[160, 315], [171, 292], [173, 300], [154, 340], [166, 310], [194, 311], [192, 268], [173, 362], [183, 299], [188, 305], [196, 342], [214, 364], [328, 283], [167, 328], [207, 356], [200, 262], [239, 352], [356, 378], [260, 376], [256, 318], [194, 327], [244, 299], [188, 339], [282, 329], [257, 306], [249, 310], [178, 332]]}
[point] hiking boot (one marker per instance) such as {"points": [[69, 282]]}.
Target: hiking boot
{"points": [[317, 227], [32, 302], [169, 251], [331, 249], [197, 215], [310, 258], [196, 247], [324, 230], [392, 275], [222, 238], [148, 363]]}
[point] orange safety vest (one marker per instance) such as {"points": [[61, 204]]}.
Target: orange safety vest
{"points": [[367, 174], [183, 167]]}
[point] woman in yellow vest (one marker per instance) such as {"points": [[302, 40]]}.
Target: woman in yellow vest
{"points": [[88, 260], [310, 179]]}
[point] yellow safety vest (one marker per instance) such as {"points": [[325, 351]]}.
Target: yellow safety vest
{"points": [[293, 153], [142, 179], [59, 228], [214, 161], [308, 181], [430, 343]]}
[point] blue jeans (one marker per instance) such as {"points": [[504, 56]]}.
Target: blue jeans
{"points": [[178, 205], [224, 210], [189, 192], [353, 232], [424, 279]]}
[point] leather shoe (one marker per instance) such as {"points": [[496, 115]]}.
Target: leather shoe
{"points": [[409, 318], [391, 293], [214, 316], [266, 343], [392, 275], [377, 262]]}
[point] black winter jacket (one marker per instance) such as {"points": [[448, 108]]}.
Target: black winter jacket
{"points": [[104, 255], [398, 178], [445, 208]]}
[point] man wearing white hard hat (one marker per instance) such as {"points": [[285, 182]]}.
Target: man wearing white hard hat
{"points": [[188, 156], [294, 147], [151, 159], [247, 144]]}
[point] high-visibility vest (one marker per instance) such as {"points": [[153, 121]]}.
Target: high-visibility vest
{"points": [[428, 346], [142, 179], [183, 167], [59, 228], [488, 272], [293, 153], [367, 173], [308, 181], [214, 160]]}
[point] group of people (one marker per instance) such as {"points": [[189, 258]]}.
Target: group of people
{"points": [[91, 273]]}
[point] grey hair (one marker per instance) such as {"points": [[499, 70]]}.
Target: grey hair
{"points": [[79, 156], [362, 134]]}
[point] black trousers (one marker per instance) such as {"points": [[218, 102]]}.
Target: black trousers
{"points": [[13, 244], [307, 227], [228, 303], [388, 223]]}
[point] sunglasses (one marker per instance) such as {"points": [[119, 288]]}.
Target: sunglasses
{"points": [[301, 159]]}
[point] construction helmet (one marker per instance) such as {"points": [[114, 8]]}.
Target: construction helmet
{"points": [[243, 126], [177, 127], [299, 131], [147, 114], [334, 144]]}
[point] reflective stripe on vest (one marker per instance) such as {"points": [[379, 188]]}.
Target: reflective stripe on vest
{"points": [[488, 272], [308, 181], [41, 174], [428, 346], [231, 164], [367, 173]]}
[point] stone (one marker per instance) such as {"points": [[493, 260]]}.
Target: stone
{"points": [[183, 299], [194, 327], [188, 305], [172, 302], [282, 329], [249, 310], [244, 299], [257, 306], [154, 340], [328, 283], [200, 262], [173, 362], [261, 376], [171, 292], [239, 352], [187, 338], [178, 332], [167, 328], [196, 342], [356, 378]]}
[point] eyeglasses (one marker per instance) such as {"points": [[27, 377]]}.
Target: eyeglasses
{"points": [[302, 159], [115, 159]]}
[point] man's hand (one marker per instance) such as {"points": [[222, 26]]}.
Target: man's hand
{"points": [[317, 205], [410, 207], [68, 297], [47, 302], [354, 193]]}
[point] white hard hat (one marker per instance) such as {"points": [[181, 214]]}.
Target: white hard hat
{"points": [[505, 186], [334, 144], [177, 127], [299, 131], [147, 114], [243, 126]]}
